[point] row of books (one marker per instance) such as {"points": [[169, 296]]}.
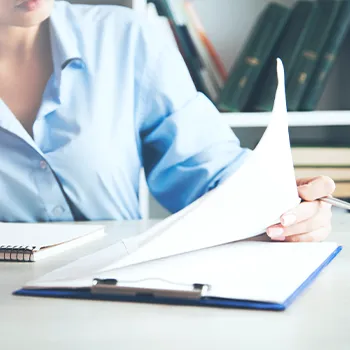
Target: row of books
{"points": [[180, 20], [329, 161], [307, 37]]}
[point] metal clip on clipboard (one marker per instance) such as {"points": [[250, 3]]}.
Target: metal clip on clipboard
{"points": [[111, 286]]}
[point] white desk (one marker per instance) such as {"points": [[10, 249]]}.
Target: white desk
{"points": [[318, 319]]}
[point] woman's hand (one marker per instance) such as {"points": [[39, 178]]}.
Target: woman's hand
{"points": [[310, 221]]}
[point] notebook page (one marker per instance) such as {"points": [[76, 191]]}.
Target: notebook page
{"points": [[42, 235], [252, 199]]}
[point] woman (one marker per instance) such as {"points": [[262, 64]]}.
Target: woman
{"points": [[89, 95]]}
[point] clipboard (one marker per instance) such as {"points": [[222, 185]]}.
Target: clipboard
{"points": [[111, 289]]}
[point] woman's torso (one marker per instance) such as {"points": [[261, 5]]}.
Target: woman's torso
{"points": [[85, 159]]}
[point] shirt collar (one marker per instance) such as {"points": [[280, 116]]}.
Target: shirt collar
{"points": [[64, 42]]}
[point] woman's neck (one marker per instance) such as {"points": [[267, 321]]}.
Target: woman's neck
{"points": [[19, 45]]}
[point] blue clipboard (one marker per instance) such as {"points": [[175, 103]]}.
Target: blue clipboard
{"points": [[109, 290]]}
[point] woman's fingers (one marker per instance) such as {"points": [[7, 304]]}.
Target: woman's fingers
{"points": [[305, 218], [321, 219], [311, 189], [304, 211], [314, 236]]}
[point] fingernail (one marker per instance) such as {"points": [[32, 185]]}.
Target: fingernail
{"points": [[281, 238], [288, 219], [275, 232]]}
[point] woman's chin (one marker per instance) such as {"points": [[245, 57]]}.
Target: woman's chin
{"points": [[32, 12]]}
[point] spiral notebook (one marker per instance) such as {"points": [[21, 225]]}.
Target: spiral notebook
{"points": [[27, 242]]}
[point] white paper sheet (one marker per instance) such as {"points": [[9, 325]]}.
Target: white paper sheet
{"points": [[247, 270], [244, 205], [257, 271]]}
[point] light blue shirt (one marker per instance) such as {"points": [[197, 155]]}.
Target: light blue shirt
{"points": [[120, 99]]}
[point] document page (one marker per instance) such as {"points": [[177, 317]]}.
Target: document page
{"points": [[248, 270], [252, 199]]}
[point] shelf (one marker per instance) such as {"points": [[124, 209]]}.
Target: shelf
{"points": [[314, 118]]}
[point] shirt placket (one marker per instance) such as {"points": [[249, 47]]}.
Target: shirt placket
{"points": [[49, 191]]}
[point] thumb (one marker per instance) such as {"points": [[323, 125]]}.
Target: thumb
{"points": [[315, 188]]}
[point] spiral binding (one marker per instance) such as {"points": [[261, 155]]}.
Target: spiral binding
{"points": [[16, 253]]}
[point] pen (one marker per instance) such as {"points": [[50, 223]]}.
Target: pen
{"points": [[336, 202]]}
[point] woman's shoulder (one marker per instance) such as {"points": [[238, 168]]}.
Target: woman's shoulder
{"points": [[119, 24], [101, 15]]}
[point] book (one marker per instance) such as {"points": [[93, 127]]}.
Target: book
{"points": [[337, 174], [243, 75], [205, 47], [210, 88], [327, 59], [188, 50], [342, 189], [287, 49], [29, 242], [321, 156], [214, 251], [306, 62]]}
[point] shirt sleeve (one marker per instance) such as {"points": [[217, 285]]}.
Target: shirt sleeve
{"points": [[187, 147]]}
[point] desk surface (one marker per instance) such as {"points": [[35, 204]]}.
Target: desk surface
{"points": [[318, 319]]}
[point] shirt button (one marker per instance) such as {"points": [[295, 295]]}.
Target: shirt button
{"points": [[58, 211], [43, 165]]}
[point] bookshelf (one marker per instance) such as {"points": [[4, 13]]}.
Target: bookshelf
{"points": [[296, 119], [227, 24]]}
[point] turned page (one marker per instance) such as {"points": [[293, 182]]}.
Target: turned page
{"points": [[244, 205]]}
